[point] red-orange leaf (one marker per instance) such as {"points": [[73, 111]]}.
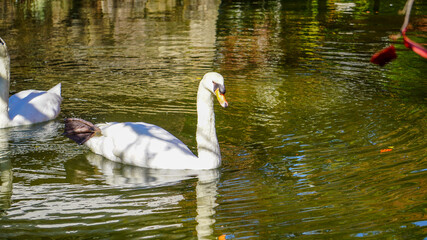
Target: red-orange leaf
{"points": [[386, 150]]}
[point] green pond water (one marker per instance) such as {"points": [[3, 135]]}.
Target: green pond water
{"points": [[317, 142]]}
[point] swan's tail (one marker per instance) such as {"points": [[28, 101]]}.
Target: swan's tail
{"points": [[79, 130], [56, 89]]}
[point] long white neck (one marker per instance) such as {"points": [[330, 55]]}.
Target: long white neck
{"points": [[4, 90], [207, 142]]}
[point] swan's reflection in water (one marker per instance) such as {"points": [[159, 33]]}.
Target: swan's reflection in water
{"points": [[117, 174], [14, 141], [6, 175], [31, 134]]}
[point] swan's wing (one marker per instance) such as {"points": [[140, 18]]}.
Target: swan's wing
{"points": [[16, 98], [33, 106], [140, 144]]}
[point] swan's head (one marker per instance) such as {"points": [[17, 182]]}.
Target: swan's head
{"points": [[3, 49], [214, 82]]}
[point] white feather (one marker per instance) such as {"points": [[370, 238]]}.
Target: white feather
{"points": [[26, 107]]}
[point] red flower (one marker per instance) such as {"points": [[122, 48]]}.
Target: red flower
{"points": [[384, 56]]}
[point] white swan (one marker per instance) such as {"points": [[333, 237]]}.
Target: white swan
{"points": [[146, 145], [26, 107]]}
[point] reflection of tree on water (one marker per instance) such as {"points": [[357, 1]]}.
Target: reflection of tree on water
{"points": [[117, 174]]}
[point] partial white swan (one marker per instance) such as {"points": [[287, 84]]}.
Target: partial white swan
{"points": [[26, 107], [146, 145]]}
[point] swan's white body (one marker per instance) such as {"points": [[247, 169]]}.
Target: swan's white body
{"points": [[146, 145], [26, 107]]}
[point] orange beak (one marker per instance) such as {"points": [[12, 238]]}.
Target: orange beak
{"points": [[221, 98]]}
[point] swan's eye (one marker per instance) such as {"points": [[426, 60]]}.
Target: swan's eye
{"points": [[220, 87]]}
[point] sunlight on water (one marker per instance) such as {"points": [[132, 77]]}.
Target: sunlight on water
{"points": [[317, 141]]}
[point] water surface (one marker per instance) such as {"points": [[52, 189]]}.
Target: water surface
{"points": [[317, 143]]}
